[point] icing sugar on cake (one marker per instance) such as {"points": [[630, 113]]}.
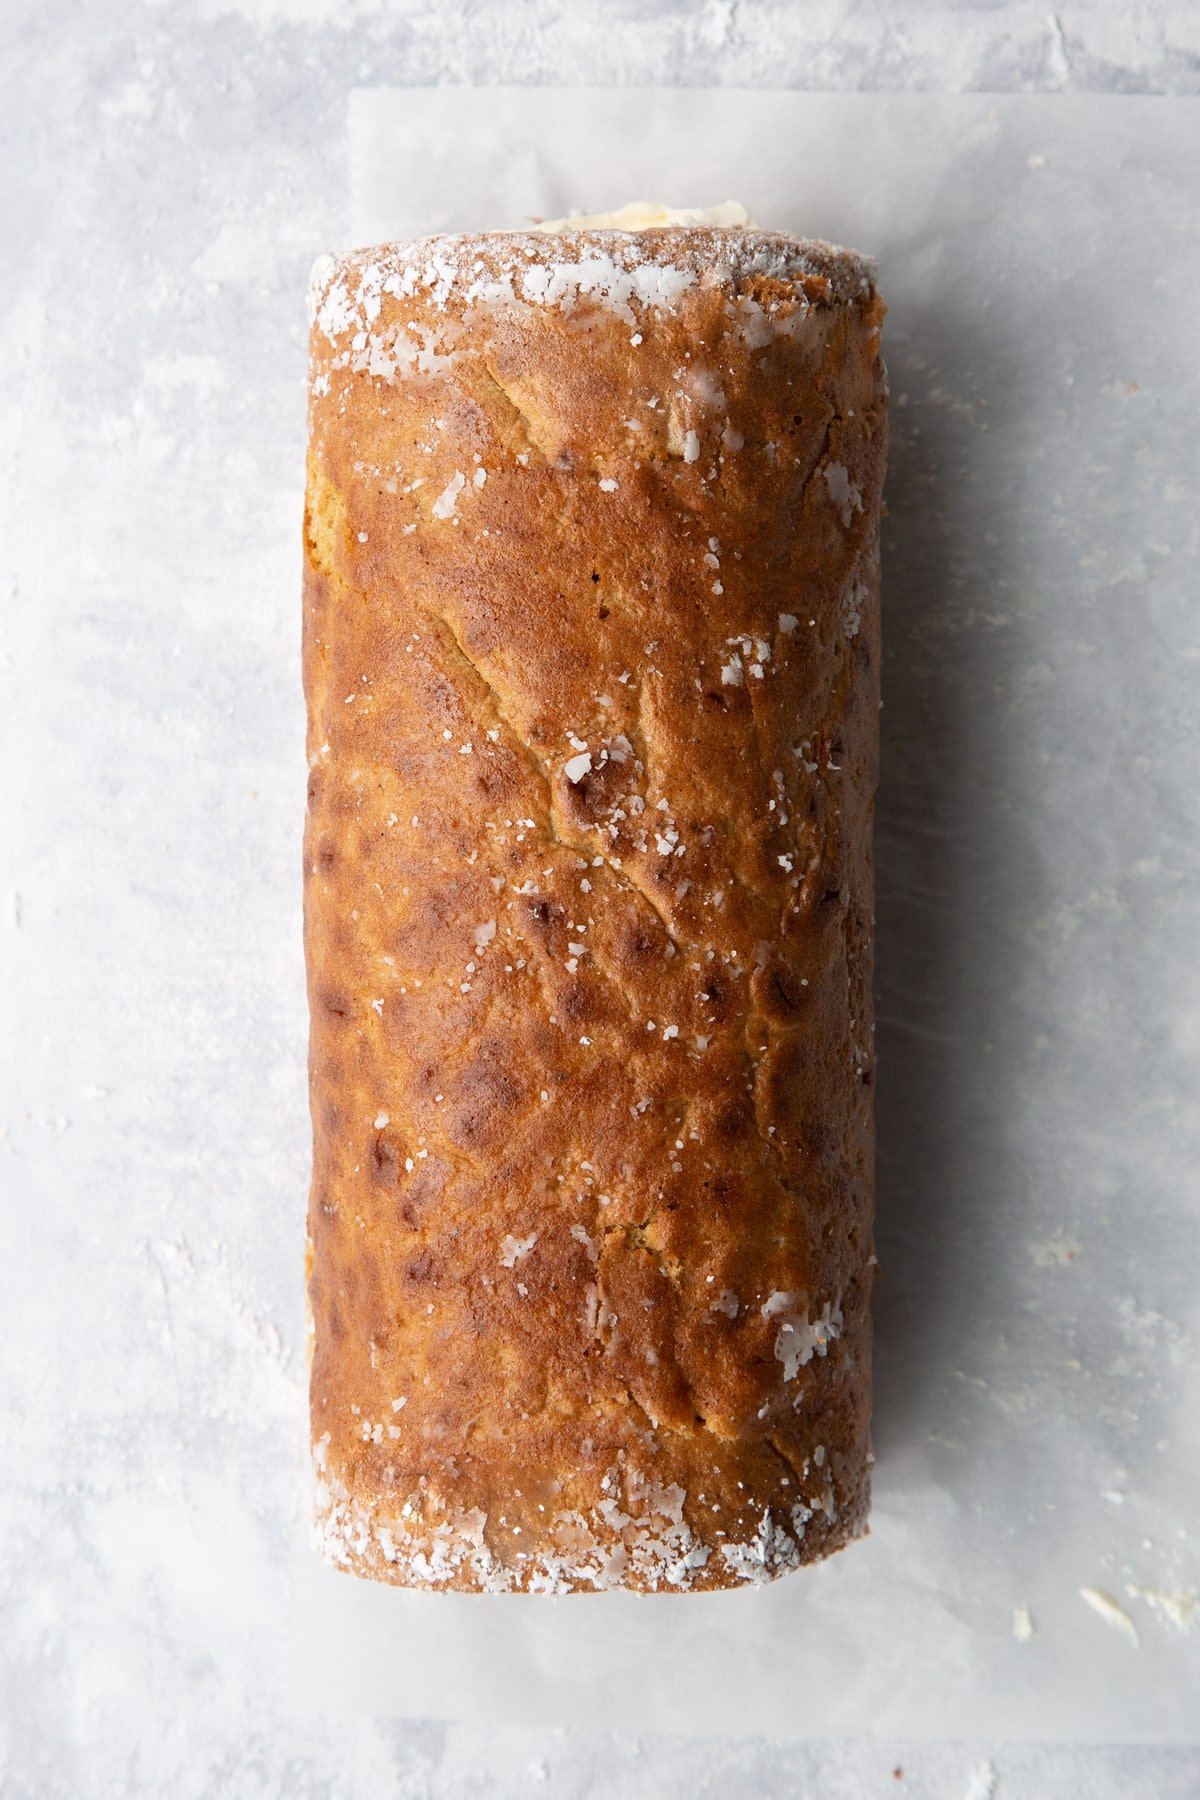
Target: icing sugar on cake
{"points": [[619, 269]]}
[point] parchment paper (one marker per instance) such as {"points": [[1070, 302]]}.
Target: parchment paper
{"points": [[1038, 1400]]}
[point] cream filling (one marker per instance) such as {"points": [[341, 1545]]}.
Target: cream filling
{"points": [[646, 215]]}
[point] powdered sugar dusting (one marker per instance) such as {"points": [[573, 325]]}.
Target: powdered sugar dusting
{"points": [[629, 272], [638, 1536], [844, 493]]}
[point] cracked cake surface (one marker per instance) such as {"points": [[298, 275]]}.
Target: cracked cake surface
{"points": [[591, 655]]}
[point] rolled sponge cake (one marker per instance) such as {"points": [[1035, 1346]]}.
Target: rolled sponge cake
{"points": [[591, 656]]}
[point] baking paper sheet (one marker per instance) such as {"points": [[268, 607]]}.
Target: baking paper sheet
{"points": [[1038, 1392]]}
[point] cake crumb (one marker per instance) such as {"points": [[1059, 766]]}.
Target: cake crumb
{"points": [[1111, 1612]]}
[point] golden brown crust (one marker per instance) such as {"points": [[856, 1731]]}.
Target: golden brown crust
{"points": [[591, 658]]}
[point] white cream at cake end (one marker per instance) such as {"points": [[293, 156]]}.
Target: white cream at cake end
{"points": [[648, 215]]}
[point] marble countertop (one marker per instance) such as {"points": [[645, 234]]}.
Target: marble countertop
{"points": [[170, 173]]}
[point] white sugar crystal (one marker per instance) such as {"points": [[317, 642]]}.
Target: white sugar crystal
{"points": [[800, 1338], [842, 490], [514, 1248], [447, 500], [856, 595]]}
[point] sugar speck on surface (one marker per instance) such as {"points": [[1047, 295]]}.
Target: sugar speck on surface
{"points": [[514, 1249], [447, 500]]}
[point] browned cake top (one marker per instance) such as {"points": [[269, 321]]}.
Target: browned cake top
{"points": [[591, 661]]}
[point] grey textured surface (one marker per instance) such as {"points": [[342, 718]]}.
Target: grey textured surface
{"points": [[168, 174]]}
